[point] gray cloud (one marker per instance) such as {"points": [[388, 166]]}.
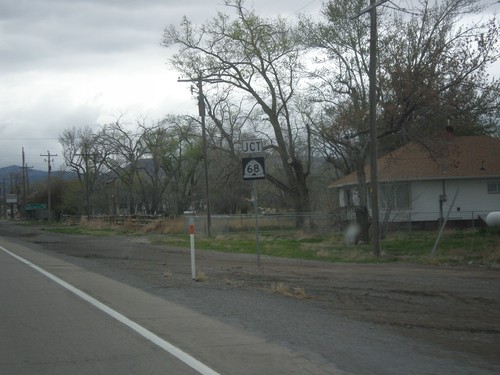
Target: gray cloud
{"points": [[47, 34], [70, 63]]}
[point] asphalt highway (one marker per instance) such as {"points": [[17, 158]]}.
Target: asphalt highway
{"points": [[57, 318]]}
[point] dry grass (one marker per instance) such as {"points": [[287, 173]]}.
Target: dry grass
{"points": [[300, 293], [284, 289], [234, 282], [173, 225], [129, 225], [201, 277], [280, 287], [99, 224], [165, 226], [323, 253], [155, 226]]}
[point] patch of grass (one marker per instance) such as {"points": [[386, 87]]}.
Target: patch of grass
{"points": [[456, 247], [84, 231], [92, 228], [481, 247], [476, 247]]}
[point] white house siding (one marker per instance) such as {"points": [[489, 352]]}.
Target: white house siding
{"points": [[346, 194], [472, 200], [473, 197]]}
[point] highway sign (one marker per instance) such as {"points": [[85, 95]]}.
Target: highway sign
{"points": [[11, 198], [254, 168], [35, 206], [251, 146]]}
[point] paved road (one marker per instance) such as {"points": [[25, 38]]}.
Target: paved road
{"points": [[45, 329], [57, 318]]}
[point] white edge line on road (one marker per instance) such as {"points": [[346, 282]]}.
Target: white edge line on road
{"points": [[165, 345]]}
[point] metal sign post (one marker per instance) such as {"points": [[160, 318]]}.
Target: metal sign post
{"points": [[256, 210], [11, 199], [193, 257], [254, 168]]}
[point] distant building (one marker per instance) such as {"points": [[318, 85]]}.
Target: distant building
{"points": [[417, 184]]}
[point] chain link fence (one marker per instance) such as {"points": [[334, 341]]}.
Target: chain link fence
{"points": [[315, 222], [334, 222]]}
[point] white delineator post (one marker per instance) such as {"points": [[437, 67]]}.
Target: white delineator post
{"points": [[191, 238]]}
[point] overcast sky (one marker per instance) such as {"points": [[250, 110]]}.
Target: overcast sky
{"points": [[66, 63]]}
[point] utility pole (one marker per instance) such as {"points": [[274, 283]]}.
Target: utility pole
{"points": [[24, 185], [4, 204], [201, 109], [372, 73], [49, 169], [25, 169], [11, 190]]}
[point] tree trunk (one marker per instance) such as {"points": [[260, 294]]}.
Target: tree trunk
{"points": [[300, 195], [362, 214]]}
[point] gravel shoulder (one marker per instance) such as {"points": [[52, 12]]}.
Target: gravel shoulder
{"points": [[450, 316]]}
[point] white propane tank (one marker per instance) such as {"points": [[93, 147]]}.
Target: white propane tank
{"points": [[493, 219]]}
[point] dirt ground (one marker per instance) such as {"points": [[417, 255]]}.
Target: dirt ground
{"points": [[457, 308]]}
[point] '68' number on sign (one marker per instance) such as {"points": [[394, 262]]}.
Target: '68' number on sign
{"points": [[254, 169]]}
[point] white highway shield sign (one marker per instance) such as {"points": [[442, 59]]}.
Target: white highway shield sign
{"points": [[253, 168]]}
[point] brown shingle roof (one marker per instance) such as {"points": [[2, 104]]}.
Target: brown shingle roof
{"points": [[458, 157]]}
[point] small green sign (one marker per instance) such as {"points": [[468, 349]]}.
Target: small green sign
{"points": [[35, 206]]}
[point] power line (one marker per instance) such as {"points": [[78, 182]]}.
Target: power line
{"points": [[28, 139], [298, 10], [49, 169]]}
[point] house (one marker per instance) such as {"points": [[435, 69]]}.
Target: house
{"points": [[418, 183]]}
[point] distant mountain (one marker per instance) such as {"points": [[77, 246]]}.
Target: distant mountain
{"points": [[34, 175]]}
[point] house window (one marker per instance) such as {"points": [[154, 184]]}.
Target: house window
{"points": [[348, 197], [395, 196], [494, 187]]}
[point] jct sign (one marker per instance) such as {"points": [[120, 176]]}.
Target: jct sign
{"points": [[252, 146], [11, 198]]}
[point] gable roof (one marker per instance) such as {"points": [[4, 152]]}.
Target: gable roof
{"points": [[453, 158]]}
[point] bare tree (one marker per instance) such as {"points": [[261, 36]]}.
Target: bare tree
{"points": [[339, 100], [85, 156], [232, 122], [261, 58], [126, 151], [180, 160], [155, 163]]}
